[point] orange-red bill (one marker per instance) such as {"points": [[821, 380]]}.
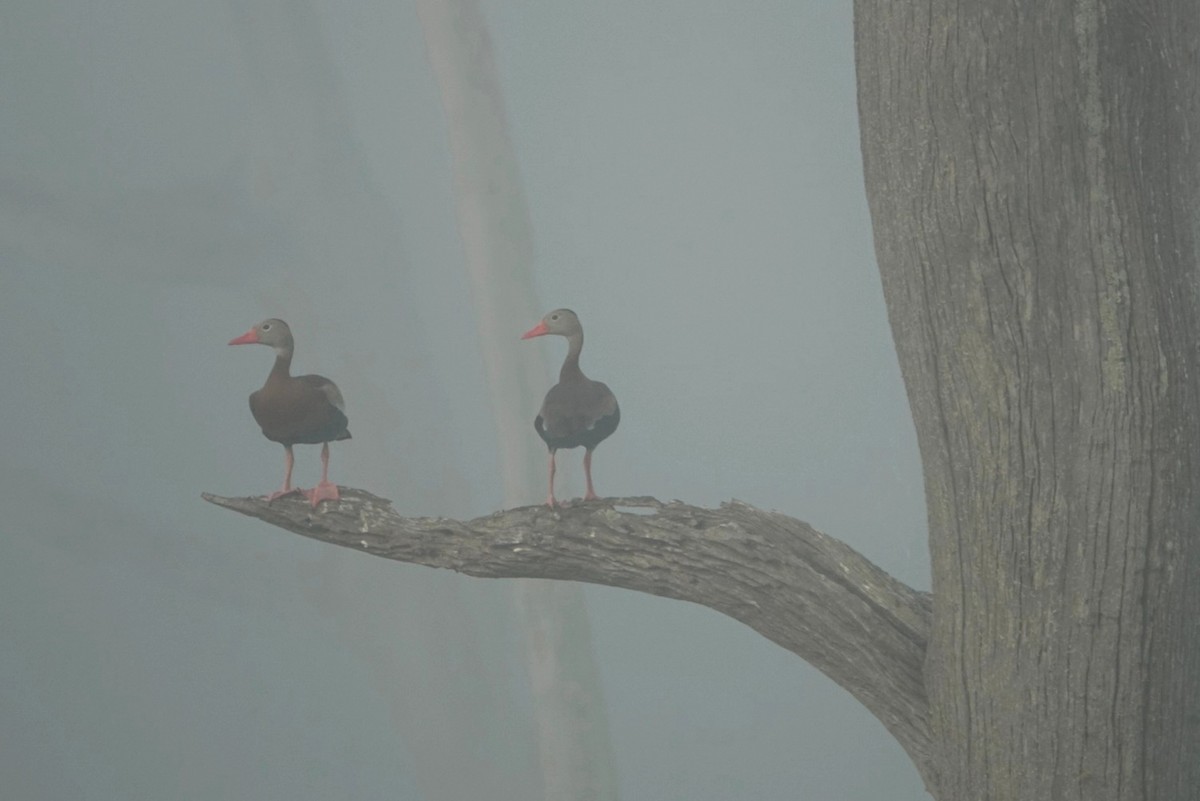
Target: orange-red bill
{"points": [[248, 338], [537, 331]]}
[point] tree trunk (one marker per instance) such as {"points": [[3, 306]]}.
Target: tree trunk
{"points": [[1031, 170]]}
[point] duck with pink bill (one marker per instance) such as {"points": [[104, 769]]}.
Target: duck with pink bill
{"points": [[577, 411], [304, 409]]}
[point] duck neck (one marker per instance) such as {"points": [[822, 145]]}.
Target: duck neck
{"points": [[283, 364], [570, 365]]}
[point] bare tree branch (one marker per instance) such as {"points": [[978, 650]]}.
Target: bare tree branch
{"points": [[806, 591]]}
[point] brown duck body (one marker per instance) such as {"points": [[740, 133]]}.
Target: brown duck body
{"points": [[577, 411], [305, 409], [293, 410]]}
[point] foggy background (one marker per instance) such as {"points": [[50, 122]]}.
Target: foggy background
{"points": [[171, 173]]}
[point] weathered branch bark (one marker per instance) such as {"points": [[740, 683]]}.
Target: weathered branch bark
{"points": [[802, 589]]}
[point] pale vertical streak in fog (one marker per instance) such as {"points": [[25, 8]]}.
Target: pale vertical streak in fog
{"points": [[576, 755]]}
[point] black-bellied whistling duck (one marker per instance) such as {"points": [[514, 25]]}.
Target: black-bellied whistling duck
{"points": [[577, 410], [296, 409]]}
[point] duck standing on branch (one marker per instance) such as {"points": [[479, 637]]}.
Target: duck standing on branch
{"points": [[577, 410], [296, 409]]}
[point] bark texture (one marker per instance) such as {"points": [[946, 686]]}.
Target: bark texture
{"points": [[804, 590], [1031, 170]]}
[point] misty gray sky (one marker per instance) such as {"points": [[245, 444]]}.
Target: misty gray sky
{"points": [[171, 173]]}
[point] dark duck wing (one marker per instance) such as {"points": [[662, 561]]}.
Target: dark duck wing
{"points": [[305, 409], [574, 413], [335, 406]]}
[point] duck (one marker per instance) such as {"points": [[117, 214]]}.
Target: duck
{"points": [[292, 410], [577, 411]]}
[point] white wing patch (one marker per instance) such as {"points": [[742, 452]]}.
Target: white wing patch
{"points": [[335, 396]]}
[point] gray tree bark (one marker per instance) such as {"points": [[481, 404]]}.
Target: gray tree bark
{"points": [[806, 591], [1032, 176]]}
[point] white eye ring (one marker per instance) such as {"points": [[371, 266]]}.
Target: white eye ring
{"points": [[266, 327]]}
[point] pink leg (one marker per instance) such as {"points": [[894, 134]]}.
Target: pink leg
{"points": [[550, 499], [288, 461], [326, 490], [587, 471]]}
